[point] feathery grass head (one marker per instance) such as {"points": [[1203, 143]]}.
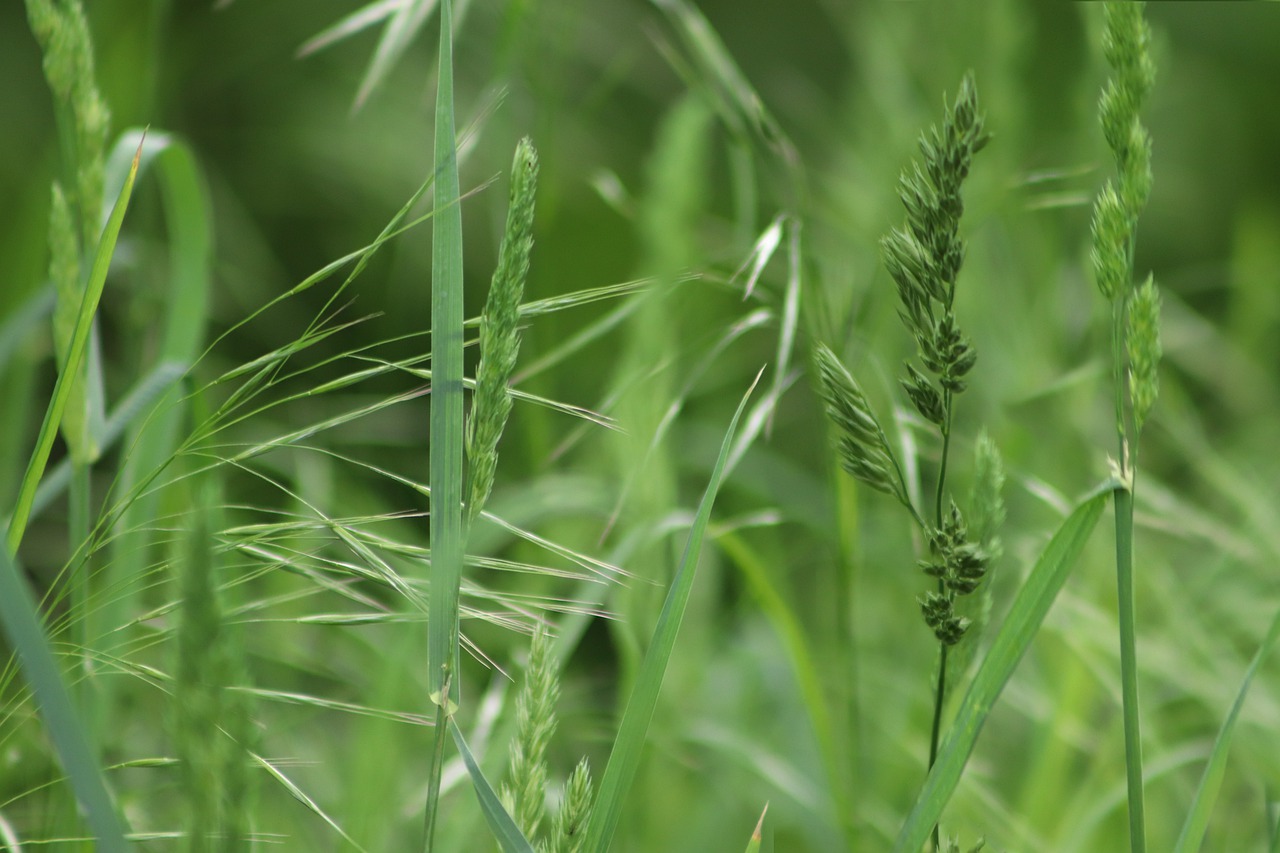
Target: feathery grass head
{"points": [[63, 33], [568, 834], [499, 334], [924, 257], [1126, 45], [524, 794], [1126, 42], [861, 444], [211, 723]]}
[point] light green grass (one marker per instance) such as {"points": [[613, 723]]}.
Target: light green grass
{"points": [[713, 184]]}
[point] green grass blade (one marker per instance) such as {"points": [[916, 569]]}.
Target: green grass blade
{"points": [[79, 340], [22, 629], [753, 845], [504, 829], [1015, 635], [446, 449], [446, 387], [624, 760], [1197, 822]]}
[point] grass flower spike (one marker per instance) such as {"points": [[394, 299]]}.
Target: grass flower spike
{"points": [[1135, 333], [499, 335]]}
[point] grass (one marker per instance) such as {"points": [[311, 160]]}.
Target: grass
{"points": [[257, 601]]}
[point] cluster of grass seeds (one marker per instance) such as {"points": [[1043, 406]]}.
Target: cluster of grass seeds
{"points": [[924, 259]]}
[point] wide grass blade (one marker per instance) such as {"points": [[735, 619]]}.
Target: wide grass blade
{"points": [[504, 829], [79, 340], [22, 629], [1015, 635], [624, 760], [1197, 822]]}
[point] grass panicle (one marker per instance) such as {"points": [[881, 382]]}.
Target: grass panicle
{"points": [[924, 258], [568, 829], [62, 31], [212, 730], [1135, 335], [861, 445], [525, 792], [499, 333]]}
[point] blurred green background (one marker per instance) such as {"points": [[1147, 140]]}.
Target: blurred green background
{"points": [[298, 177]]}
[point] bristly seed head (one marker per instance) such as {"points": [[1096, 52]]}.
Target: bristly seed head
{"points": [[1142, 339], [861, 444]]}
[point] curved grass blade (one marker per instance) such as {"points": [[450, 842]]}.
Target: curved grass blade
{"points": [[22, 629], [504, 829], [79, 341], [1197, 822], [1015, 635], [624, 760]]}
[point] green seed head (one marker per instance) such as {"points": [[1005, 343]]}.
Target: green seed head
{"points": [[1142, 340]]}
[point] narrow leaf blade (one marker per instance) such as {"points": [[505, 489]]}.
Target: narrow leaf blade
{"points": [[22, 629], [79, 341], [504, 829], [1197, 822], [624, 760]]}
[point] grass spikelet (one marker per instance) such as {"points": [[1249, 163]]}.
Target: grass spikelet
{"points": [[568, 830], [211, 727], [1142, 341], [860, 441], [524, 794], [83, 117], [499, 335]]}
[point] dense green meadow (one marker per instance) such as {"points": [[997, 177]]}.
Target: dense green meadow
{"points": [[367, 492]]}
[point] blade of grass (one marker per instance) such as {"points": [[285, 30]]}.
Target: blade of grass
{"points": [[504, 829], [1197, 822], [1010, 643], [446, 386], [624, 760], [79, 340], [445, 462], [753, 845], [21, 621]]}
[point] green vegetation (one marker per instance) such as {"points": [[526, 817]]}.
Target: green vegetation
{"points": [[367, 486]]}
